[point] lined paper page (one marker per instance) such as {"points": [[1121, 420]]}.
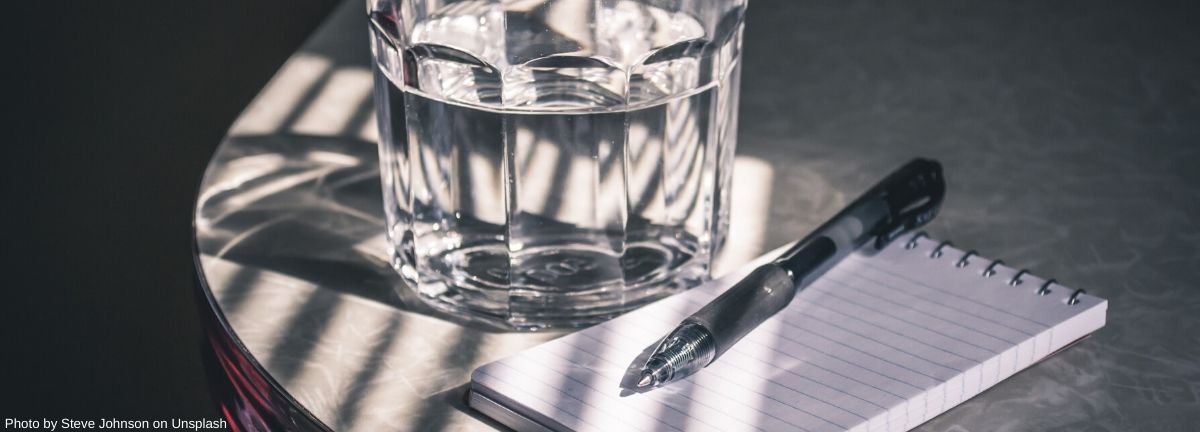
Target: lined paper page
{"points": [[882, 342]]}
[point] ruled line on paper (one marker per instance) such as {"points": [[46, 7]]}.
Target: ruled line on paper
{"points": [[780, 402], [948, 292], [872, 338], [619, 366], [860, 304], [717, 391], [884, 329], [957, 304], [615, 379], [903, 307], [880, 287], [695, 304], [800, 328], [734, 382]]}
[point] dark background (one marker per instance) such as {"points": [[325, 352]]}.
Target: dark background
{"points": [[115, 108], [118, 107]]}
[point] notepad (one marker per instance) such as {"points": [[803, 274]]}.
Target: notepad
{"points": [[884, 341]]}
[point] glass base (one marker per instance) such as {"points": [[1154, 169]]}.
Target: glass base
{"points": [[567, 285]]}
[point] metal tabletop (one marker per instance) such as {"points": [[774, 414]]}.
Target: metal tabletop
{"points": [[1069, 136]]}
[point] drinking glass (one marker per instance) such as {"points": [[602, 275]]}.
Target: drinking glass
{"points": [[554, 163]]}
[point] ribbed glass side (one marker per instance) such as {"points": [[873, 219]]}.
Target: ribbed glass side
{"points": [[555, 163]]}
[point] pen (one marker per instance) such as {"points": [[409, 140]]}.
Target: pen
{"points": [[905, 199]]}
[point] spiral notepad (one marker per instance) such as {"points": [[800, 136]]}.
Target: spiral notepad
{"points": [[884, 341]]}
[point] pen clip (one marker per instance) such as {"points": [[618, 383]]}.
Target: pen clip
{"points": [[914, 194]]}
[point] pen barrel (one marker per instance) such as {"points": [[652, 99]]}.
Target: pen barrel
{"points": [[744, 306]]}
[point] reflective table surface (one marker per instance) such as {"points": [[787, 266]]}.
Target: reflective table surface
{"points": [[1070, 148]]}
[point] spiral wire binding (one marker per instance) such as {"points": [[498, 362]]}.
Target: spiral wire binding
{"points": [[1074, 298], [912, 242], [1045, 289], [937, 251], [1016, 279], [990, 270], [962, 262]]}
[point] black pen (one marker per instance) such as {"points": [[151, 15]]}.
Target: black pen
{"points": [[905, 199]]}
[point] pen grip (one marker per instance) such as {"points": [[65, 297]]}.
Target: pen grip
{"points": [[745, 305]]}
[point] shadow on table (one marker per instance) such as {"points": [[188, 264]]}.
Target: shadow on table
{"points": [[307, 207]]}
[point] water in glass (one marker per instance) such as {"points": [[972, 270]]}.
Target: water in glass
{"points": [[554, 163]]}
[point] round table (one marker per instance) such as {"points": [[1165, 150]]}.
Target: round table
{"points": [[308, 333]]}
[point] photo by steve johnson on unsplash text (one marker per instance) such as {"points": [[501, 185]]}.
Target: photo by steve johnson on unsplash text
{"points": [[66, 423]]}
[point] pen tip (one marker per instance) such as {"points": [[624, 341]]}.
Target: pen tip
{"points": [[647, 380]]}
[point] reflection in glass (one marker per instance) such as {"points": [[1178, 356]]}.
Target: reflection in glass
{"points": [[555, 163]]}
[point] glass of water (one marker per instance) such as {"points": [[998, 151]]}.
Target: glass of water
{"points": [[554, 163]]}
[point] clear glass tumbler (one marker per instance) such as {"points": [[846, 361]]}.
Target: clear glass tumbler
{"points": [[554, 163]]}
